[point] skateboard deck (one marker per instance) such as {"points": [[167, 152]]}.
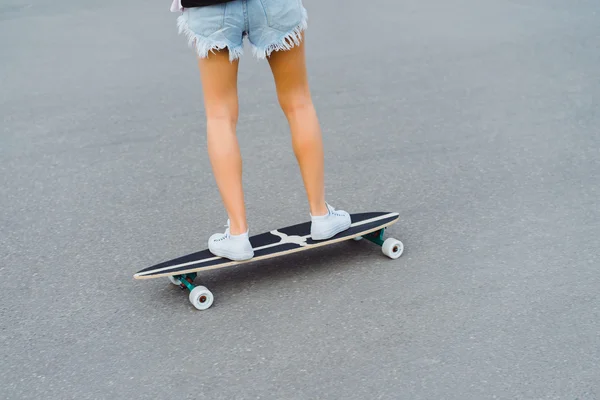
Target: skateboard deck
{"points": [[183, 270]]}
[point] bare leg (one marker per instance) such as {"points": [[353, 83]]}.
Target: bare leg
{"points": [[289, 71], [219, 84]]}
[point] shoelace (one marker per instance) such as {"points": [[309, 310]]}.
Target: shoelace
{"points": [[225, 235], [333, 211]]}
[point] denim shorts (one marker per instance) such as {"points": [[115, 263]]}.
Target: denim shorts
{"points": [[269, 25]]}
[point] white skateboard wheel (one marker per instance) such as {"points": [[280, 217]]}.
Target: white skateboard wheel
{"points": [[356, 239], [174, 281], [392, 248], [201, 298]]}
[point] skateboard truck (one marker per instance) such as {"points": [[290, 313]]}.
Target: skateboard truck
{"points": [[186, 281], [376, 237], [391, 247], [200, 296]]}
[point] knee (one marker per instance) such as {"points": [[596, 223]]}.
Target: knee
{"points": [[296, 103], [222, 114]]}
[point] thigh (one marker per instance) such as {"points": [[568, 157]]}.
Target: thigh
{"points": [[219, 84], [291, 80]]}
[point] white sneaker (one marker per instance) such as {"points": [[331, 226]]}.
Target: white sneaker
{"points": [[233, 247], [329, 225]]}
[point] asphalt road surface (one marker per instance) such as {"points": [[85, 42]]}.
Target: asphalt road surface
{"points": [[477, 120]]}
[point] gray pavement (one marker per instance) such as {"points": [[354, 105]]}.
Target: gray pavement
{"points": [[477, 120]]}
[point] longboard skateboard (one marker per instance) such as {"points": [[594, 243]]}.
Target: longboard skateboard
{"points": [[182, 271]]}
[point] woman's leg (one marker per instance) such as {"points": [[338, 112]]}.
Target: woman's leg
{"points": [[219, 85], [289, 72], [293, 92]]}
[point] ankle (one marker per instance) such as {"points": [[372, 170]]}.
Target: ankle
{"points": [[237, 229], [319, 209]]}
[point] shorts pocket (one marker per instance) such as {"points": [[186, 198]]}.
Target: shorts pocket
{"points": [[206, 20], [283, 15]]}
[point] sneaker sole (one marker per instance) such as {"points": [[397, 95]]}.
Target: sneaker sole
{"points": [[233, 257], [331, 233]]}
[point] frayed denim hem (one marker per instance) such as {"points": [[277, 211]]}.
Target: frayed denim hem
{"points": [[286, 42], [204, 45]]}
